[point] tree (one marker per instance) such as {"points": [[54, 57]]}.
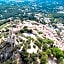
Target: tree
{"points": [[35, 62], [25, 27], [29, 31], [40, 32], [40, 40], [60, 60], [58, 32], [48, 51], [7, 62], [45, 47], [44, 57], [7, 30], [22, 31], [24, 56], [38, 44], [33, 56], [57, 52], [48, 41]]}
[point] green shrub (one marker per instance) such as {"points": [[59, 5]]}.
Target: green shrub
{"points": [[33, 56], [40, 40], [48, 51], [40, 32], [57, 52], [45, 47], [44, 58], [38, 44], [48, 41]]}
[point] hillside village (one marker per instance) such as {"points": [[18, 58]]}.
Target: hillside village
{"points": [[21, 40], [31, 32]]}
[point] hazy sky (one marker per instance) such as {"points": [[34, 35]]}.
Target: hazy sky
{"points": [[16, 0], [26, 0]]}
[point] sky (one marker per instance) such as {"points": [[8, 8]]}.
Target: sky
{"points": [[32, 0], [16, 0]]}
